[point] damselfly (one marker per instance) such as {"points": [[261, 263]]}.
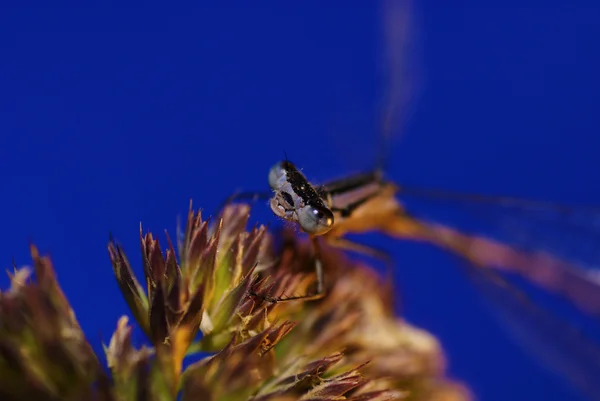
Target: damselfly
{"points": [[367, 202]]}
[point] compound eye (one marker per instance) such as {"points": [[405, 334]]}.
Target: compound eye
{"points": [[277, 175], [315, 220]]}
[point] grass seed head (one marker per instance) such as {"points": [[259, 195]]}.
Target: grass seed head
{"points": [[202, 300]]}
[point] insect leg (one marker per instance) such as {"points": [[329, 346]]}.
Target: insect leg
{"points": [[348, 245], [320, 291]]}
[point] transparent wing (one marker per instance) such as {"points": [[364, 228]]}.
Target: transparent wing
{"points": [[536, 263], [400, 69], [557, 344]]}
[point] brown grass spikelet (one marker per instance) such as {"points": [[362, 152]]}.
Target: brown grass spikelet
{"points": [[203, 299]]}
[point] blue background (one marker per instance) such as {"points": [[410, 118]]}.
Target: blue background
{"points": [[114, 115]]}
